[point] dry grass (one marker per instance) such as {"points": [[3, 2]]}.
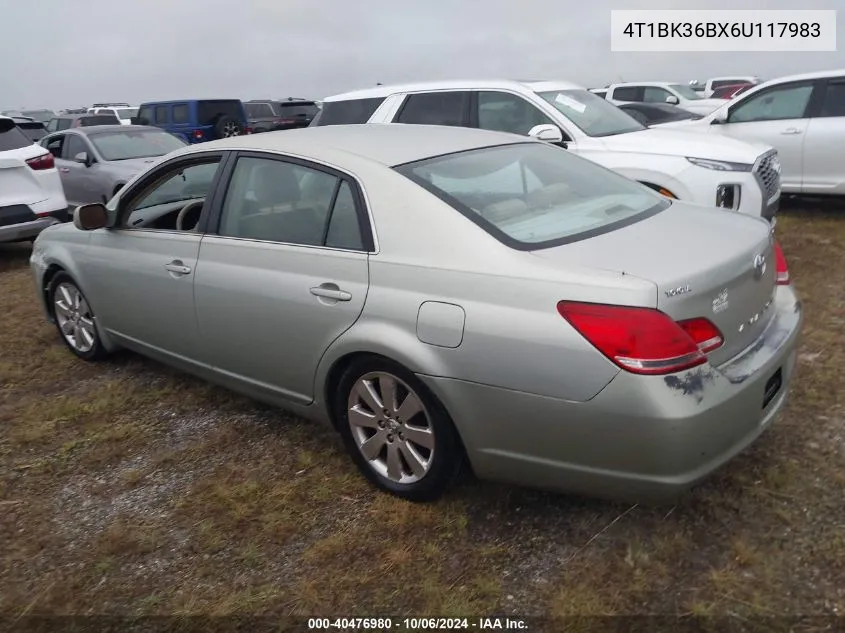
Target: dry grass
{"points": [[127, 488]]}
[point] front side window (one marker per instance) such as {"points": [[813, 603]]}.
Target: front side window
{"points": [[169, 193], [146, 115], [593, 115], [278, 201], [54, 144], [135, 144], [653, 94], [505, 112], [533, 195], [161, 115], [435, 108], [786, 102], [74, 145]]}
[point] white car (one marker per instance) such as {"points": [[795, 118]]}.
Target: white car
{"points": [[662, 92], [717, 82], [124, 113], [31, 195], [688, 166], [802, 116]]}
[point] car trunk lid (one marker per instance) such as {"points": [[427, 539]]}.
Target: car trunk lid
{"points": [[704, 263]]}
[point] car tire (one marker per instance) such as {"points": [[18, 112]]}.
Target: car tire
{"points": [[227, 126], [418, 457], [74, 318]]}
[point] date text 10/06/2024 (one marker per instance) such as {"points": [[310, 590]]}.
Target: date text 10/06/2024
{"points": [[416, 624]]}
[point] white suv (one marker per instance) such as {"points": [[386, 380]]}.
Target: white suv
{"points": [[31, 195], [689, 166]]}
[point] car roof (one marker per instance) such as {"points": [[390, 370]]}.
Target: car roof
{"points": [[455, 84], [388, 144], [172, 101]]}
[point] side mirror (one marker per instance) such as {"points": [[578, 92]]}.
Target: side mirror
{"points": [[672, 99], [719, 117], [82, 157], [90, 217], [134, 120], [547, 132]]}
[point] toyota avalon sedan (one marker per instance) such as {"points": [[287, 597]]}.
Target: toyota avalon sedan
{"points": [[442, 296]]}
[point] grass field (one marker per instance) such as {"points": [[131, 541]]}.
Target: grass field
{"points": [[127, 488]]}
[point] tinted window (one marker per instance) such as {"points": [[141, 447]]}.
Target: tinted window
{"points": [[193, 182], [628, 93], [277, 201], [74, 145], [785, 102], [63, 124], [258, 110], [98, 119], [32, 130], [834, 99], [638, 115], [344, 228], [162, 114], [593, 115], [135, 144], [180, 113], [145, 115], [347, 112], [297, 109], [504, 112], [533, 193], [54, 144], [209, 112], [11, 137], [435, 108]]}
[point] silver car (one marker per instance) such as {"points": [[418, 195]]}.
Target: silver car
{"points": [[95, 162], [437, 293]]}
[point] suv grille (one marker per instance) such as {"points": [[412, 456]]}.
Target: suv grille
{"points": [[768, 173]]}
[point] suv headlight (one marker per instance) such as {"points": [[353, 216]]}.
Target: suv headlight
{"points": [[719, 165]]}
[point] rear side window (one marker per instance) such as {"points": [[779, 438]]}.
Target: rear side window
{"points": [[11, 137], [348, 112], [162, 114], [209, 112], [435, 108], [258, 110], [834, 99], [180, 113], [628, 93], [145, 115]]}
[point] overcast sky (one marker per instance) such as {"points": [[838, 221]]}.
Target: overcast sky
{"points": [[60, 53]]}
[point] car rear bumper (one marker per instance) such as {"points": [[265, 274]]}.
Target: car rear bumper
{"points": [[642, 438], [19, 222]]}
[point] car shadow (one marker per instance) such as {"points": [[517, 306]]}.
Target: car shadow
{"points": [[14, 256]]}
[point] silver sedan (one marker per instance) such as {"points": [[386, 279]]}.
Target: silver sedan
{"points": [[95, 162], [442, 296]]}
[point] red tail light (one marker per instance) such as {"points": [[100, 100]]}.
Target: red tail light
{"points": [[642, 340], [248, 130], [781, 267], [39, 163], [198, 134]]}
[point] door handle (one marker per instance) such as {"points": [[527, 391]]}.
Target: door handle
{"points": [[791, 130], [330, 291], [177, 267]]}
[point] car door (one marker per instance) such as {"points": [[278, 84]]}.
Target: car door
{"points": [[78, 179], [824, 167], [141, 273], [775, 116], [285, 274]]}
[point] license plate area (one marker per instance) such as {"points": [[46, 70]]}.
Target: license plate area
{"points": [[772, 388]]}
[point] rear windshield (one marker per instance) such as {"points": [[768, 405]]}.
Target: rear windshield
{"points": [[33, 130], [99, 119], [347, 112], [297, 109], [534, 195], [135, 144], [209, 112], [11, 137]]}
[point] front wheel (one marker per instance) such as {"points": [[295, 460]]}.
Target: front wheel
{"points": [[397, 432], [74, 318]]}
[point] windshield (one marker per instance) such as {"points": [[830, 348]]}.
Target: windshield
{"points": [[685, 91], [535, 195], [135, 144], [126, 113], [593, 115]]}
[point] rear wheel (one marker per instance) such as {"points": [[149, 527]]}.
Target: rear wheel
{"points": [[397, 432], [226, 127], [74, 318]]}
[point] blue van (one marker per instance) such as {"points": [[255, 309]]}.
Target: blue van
{"points": [[196, 120]]}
